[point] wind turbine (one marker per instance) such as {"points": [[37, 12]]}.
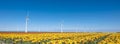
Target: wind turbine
{"points": [[17, 29], [39, 29], [77, 28], [92, 29], [61, 27], [26, 24], [85, 28]]}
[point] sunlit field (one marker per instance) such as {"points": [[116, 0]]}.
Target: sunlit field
{"points": [[59, 38]]}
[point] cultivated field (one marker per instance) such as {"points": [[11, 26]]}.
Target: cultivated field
{"points": [[59, 38]]}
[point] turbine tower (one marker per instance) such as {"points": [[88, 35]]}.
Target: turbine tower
{"points": [[61, 27], [77, 28], [26, 24], [17, 29]]}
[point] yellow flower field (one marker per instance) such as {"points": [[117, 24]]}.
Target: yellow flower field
{"points": [[59, 38]]}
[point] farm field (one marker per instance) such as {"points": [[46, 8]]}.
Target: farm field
{"points": [[59, 38]]}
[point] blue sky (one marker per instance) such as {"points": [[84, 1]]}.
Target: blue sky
{"points": [[47, 15]]}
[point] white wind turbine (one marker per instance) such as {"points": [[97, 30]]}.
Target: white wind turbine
{"points": [[61, 27], [39, 28], [26, 24], [17, 29], [77, 28]]}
